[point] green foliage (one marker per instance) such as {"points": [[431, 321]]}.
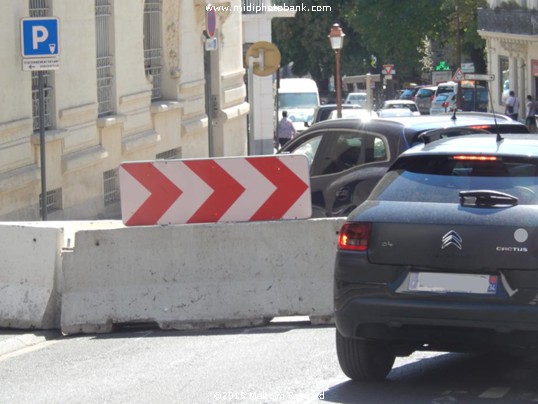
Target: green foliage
{"points": [[392, 30], [305, 40]]}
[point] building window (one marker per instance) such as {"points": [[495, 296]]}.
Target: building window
{"points": [[153, 45], [504, 82], [105, 80], [41, 8], [53, 201], [169, 154], [111, 187]]}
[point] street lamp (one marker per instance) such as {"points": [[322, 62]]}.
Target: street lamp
{"points": [[336, 36]]}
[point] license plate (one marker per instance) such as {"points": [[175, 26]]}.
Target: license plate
{"points": [[436, 282]]}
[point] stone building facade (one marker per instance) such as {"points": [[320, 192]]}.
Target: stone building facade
{"points": [[131, 85], [510, 29]]}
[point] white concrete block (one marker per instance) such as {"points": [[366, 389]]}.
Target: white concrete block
{"points": [[29, 262], [199, 276]]}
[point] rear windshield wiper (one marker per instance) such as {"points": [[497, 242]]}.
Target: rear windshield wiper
{"points": [[486, 198]]}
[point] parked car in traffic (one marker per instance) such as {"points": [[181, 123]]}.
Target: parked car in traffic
{"points": [[409, 93], [356, 98], [424, 98], [474, 97], [398, 108], [445, 102], [359, 113], [323, 111], [441, 256], [347, 157]]}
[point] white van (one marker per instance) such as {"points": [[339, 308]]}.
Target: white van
{"points": [[446, 87], [300, 97]]}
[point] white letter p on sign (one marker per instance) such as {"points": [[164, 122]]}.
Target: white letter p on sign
{"points": [[39, 34]]}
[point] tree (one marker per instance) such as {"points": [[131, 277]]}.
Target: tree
{"points": [[304, 41], [472, 44], [394, 31]]}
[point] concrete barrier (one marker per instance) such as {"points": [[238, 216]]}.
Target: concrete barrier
{"points": [[30, 270], [198, 276], [29, 265]]}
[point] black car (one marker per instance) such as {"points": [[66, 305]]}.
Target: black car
{"points": [[442, 256], [323, 112], [347, 157], [409, 93]]}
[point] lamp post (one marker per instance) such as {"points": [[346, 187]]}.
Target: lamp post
{"points": [[336, 36]]}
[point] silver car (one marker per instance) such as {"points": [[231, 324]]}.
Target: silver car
{"points": [[445, 102], [424, 98]]}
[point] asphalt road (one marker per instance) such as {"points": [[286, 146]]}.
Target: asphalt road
{"points": [[285, 362]]}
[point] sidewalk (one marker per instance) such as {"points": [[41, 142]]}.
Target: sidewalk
{"points": [[12, 340]]}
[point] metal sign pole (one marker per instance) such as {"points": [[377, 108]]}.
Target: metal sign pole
{"points": [[40, 51], [42, 144], [209, 103], [250, 95]]}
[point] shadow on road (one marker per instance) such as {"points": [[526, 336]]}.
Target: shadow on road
{"points": [[445, 378]]}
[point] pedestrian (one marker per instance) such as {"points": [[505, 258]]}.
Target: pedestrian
{"points": [[530, 120], [512, 106], [285, 130]]}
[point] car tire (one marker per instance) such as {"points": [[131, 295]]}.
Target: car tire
{"points": [[364, 360]]}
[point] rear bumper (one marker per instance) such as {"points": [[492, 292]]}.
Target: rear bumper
{"points": [[366, 311]]}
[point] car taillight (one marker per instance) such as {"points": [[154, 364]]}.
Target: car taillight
{"points": [[476, 158], [481, 127], [354, 236]]}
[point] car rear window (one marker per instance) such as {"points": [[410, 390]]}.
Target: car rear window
{"points": [[441, 178], [406, 94], [441, 97], [445, 89], [324, 115], [423, 93]]}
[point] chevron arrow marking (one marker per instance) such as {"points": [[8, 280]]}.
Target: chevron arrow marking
{"points": [[226, 191], [163, 193], [289, 188], [215, 190]]}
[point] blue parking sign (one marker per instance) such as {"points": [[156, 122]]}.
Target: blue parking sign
{"points": [[40, 37]]}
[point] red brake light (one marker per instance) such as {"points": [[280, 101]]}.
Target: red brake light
{"points": [[480, 127], [354, 236], [476, 158]]}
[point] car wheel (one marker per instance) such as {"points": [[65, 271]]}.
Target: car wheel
{"points": [[364, 360]]}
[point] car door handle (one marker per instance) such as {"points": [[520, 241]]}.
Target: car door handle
{"points": [[342, 194]]}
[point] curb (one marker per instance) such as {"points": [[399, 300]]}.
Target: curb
{"points": [[12, 341]]}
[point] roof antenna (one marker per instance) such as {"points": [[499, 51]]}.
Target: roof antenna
{"points": [[454, 114]]}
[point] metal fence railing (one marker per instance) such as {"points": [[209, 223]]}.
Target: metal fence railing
{"points": [[519, 21], [153, 45], [105, 82]]}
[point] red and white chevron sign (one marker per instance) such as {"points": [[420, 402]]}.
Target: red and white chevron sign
{"points": [[215, 190]]}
